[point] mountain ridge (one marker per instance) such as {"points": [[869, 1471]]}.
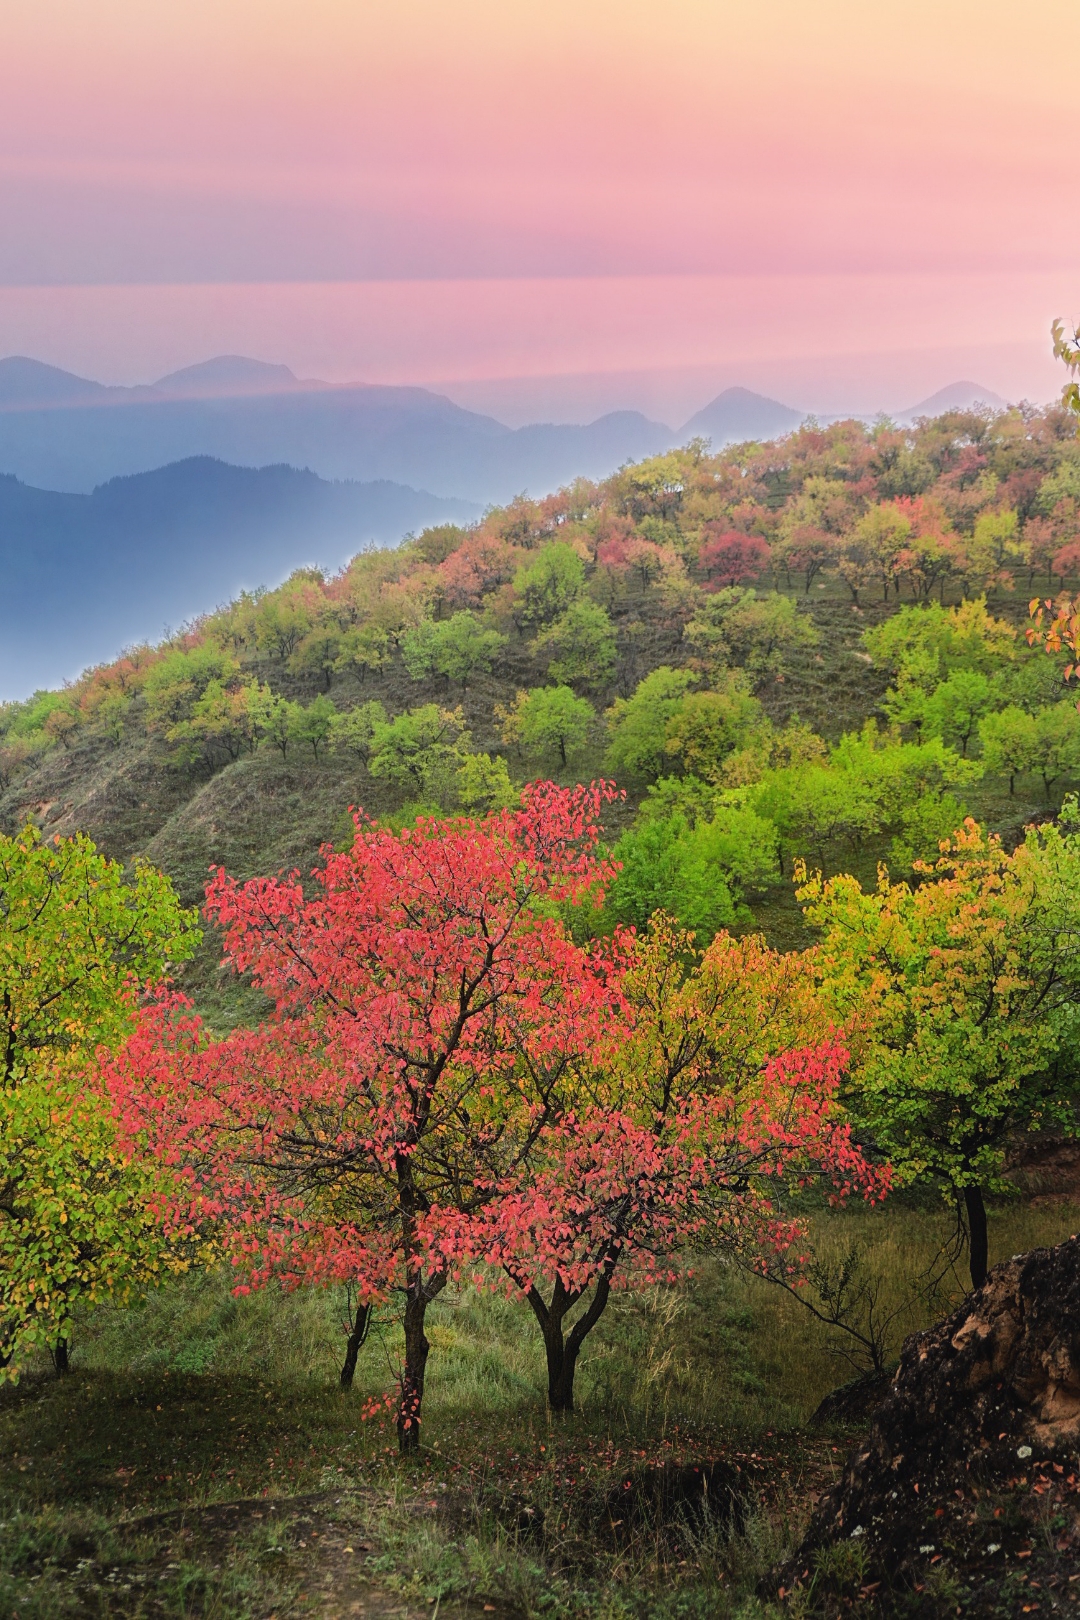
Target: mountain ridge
{"points": [[65, 432], [85, 573]]}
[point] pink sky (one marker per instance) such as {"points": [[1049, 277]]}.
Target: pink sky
{"points": [[848, 204]]}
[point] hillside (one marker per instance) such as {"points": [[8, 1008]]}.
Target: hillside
{"points": [[809, 649], [703, 627], [85, 574]]}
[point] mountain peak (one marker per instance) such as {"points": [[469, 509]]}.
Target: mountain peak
{"points": [[227, 374], [957, 396], [737, 414]]}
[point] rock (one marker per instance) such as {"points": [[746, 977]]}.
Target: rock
{"points": [[987, 1402], [853, 1402]]}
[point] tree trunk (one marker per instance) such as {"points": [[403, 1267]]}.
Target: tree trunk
{"points": [[60, 1358], [978, 1251], [417, 1299], [357, 1334], [412, 1376], [562, 1350]]}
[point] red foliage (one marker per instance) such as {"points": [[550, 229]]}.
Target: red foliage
{"points": [[623, 552], [731, 558], [926, 515], [480, 565], [425, 997], [1067, 561], [608, 1181]]}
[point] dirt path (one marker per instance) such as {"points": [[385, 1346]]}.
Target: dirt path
{"points": [[323, 1537]]}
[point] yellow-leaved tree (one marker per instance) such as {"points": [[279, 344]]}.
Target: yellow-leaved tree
{"points": [[965, 988], [77, 1217]]}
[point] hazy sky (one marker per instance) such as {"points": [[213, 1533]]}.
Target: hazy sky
{"points": [[845, 201]]}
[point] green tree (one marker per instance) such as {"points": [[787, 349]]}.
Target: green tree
{"points": [[283, 618], [688, 796], [906, 704], [995, 549], [707, 726], [421, 749], [962, 991], [933, 642], [932, 820], [954, 708], [740, 628], [868, 785], [319, 653], [545, 586], [175, 684], [77, 1218], [637, 725], [1008, 743], [457, 648], [223, 725], [1031, 683], [354, 731], [274, 719], [366, 648], [1056, 743], [872, 550], [314, 724], [699, 871], [581, 645], [483, 784], [548, 720]]}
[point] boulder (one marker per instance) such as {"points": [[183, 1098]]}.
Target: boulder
{"points": [[971, 1463]]}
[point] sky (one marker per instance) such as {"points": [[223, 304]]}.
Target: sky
{"points": [[548, 207]]}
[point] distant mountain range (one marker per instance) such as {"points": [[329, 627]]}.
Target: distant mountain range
{"points": [[59, 431], [81, 575], [123, 507]]}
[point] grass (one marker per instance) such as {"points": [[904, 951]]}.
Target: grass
{"points": [[201, 1459]]}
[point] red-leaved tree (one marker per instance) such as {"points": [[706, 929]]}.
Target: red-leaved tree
{"points": [[427, 1003], [728, 557]]}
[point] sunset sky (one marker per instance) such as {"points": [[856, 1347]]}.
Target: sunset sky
{"points": [[546, 206]]}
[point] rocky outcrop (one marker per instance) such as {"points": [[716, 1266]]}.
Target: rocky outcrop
{"points": [[981, 1425]]}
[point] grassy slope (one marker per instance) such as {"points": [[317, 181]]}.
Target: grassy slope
{"points": [[113, 1481], [193, 1398], [263, 813]]}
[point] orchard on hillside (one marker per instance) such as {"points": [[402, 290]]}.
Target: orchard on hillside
{"points": [[729, 619]]}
